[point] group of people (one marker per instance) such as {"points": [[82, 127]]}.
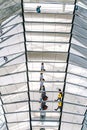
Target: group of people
{"points": [[42, 87], [43, 97], [43, 92]]}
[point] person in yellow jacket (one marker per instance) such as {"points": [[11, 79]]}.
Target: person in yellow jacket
{"points": [[59, 95], [59, 105], [59, 99]]}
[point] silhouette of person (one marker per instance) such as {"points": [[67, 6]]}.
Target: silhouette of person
{"points": [[42, 67], [38, 9], [43, 105], [59, 105], [43, 94], [5, 58], [59, 99], [59, 95], [41, 84], [41, 77]]}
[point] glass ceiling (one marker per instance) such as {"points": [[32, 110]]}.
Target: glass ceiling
{"points": [[57, 37]]}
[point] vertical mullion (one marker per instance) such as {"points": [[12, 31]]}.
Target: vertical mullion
{"points": [[60, 119], [26, 63], [4, 113], [84, 121]]}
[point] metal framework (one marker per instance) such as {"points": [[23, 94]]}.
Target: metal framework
{"points": [[67, 63], [84, 123], [56, 37], [26, 63]]}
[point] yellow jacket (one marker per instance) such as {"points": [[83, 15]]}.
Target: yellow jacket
{"points": [[59, 95], [60, 104]]}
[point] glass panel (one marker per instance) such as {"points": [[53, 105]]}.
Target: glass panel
{"points": [[47, 76], [81, 31], [45, 128], [45, 56], [9, 40], [12, 20], [36, 66], [49, 8], [70, 126], [21, 77], [80, 41], [47, 46], [75, 99], [78, 61], [77, 70], [12, 30], [76, 79], [49, 116], [52, 85], [12, 49], [13, 88], [2, 119], [16, 107], [19, 126], [46, 27], [50, 1], [15, 98], [14, 59], [34, 17], [72, 118], [81, 9], [80, 21], [74, 108], [80, 51], [12, 69], [76, 89], [31, 36], [17, 117]]}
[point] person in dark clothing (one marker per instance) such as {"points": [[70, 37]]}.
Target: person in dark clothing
{"points": [[41, 84], [5, 58], [41, 77], [44, 97], [38, 10], [76, 7], [43, 94], [42, 67], [43, 105]]}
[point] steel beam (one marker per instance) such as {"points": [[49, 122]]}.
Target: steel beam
{"points": [[60, 120], [26, 64]]}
